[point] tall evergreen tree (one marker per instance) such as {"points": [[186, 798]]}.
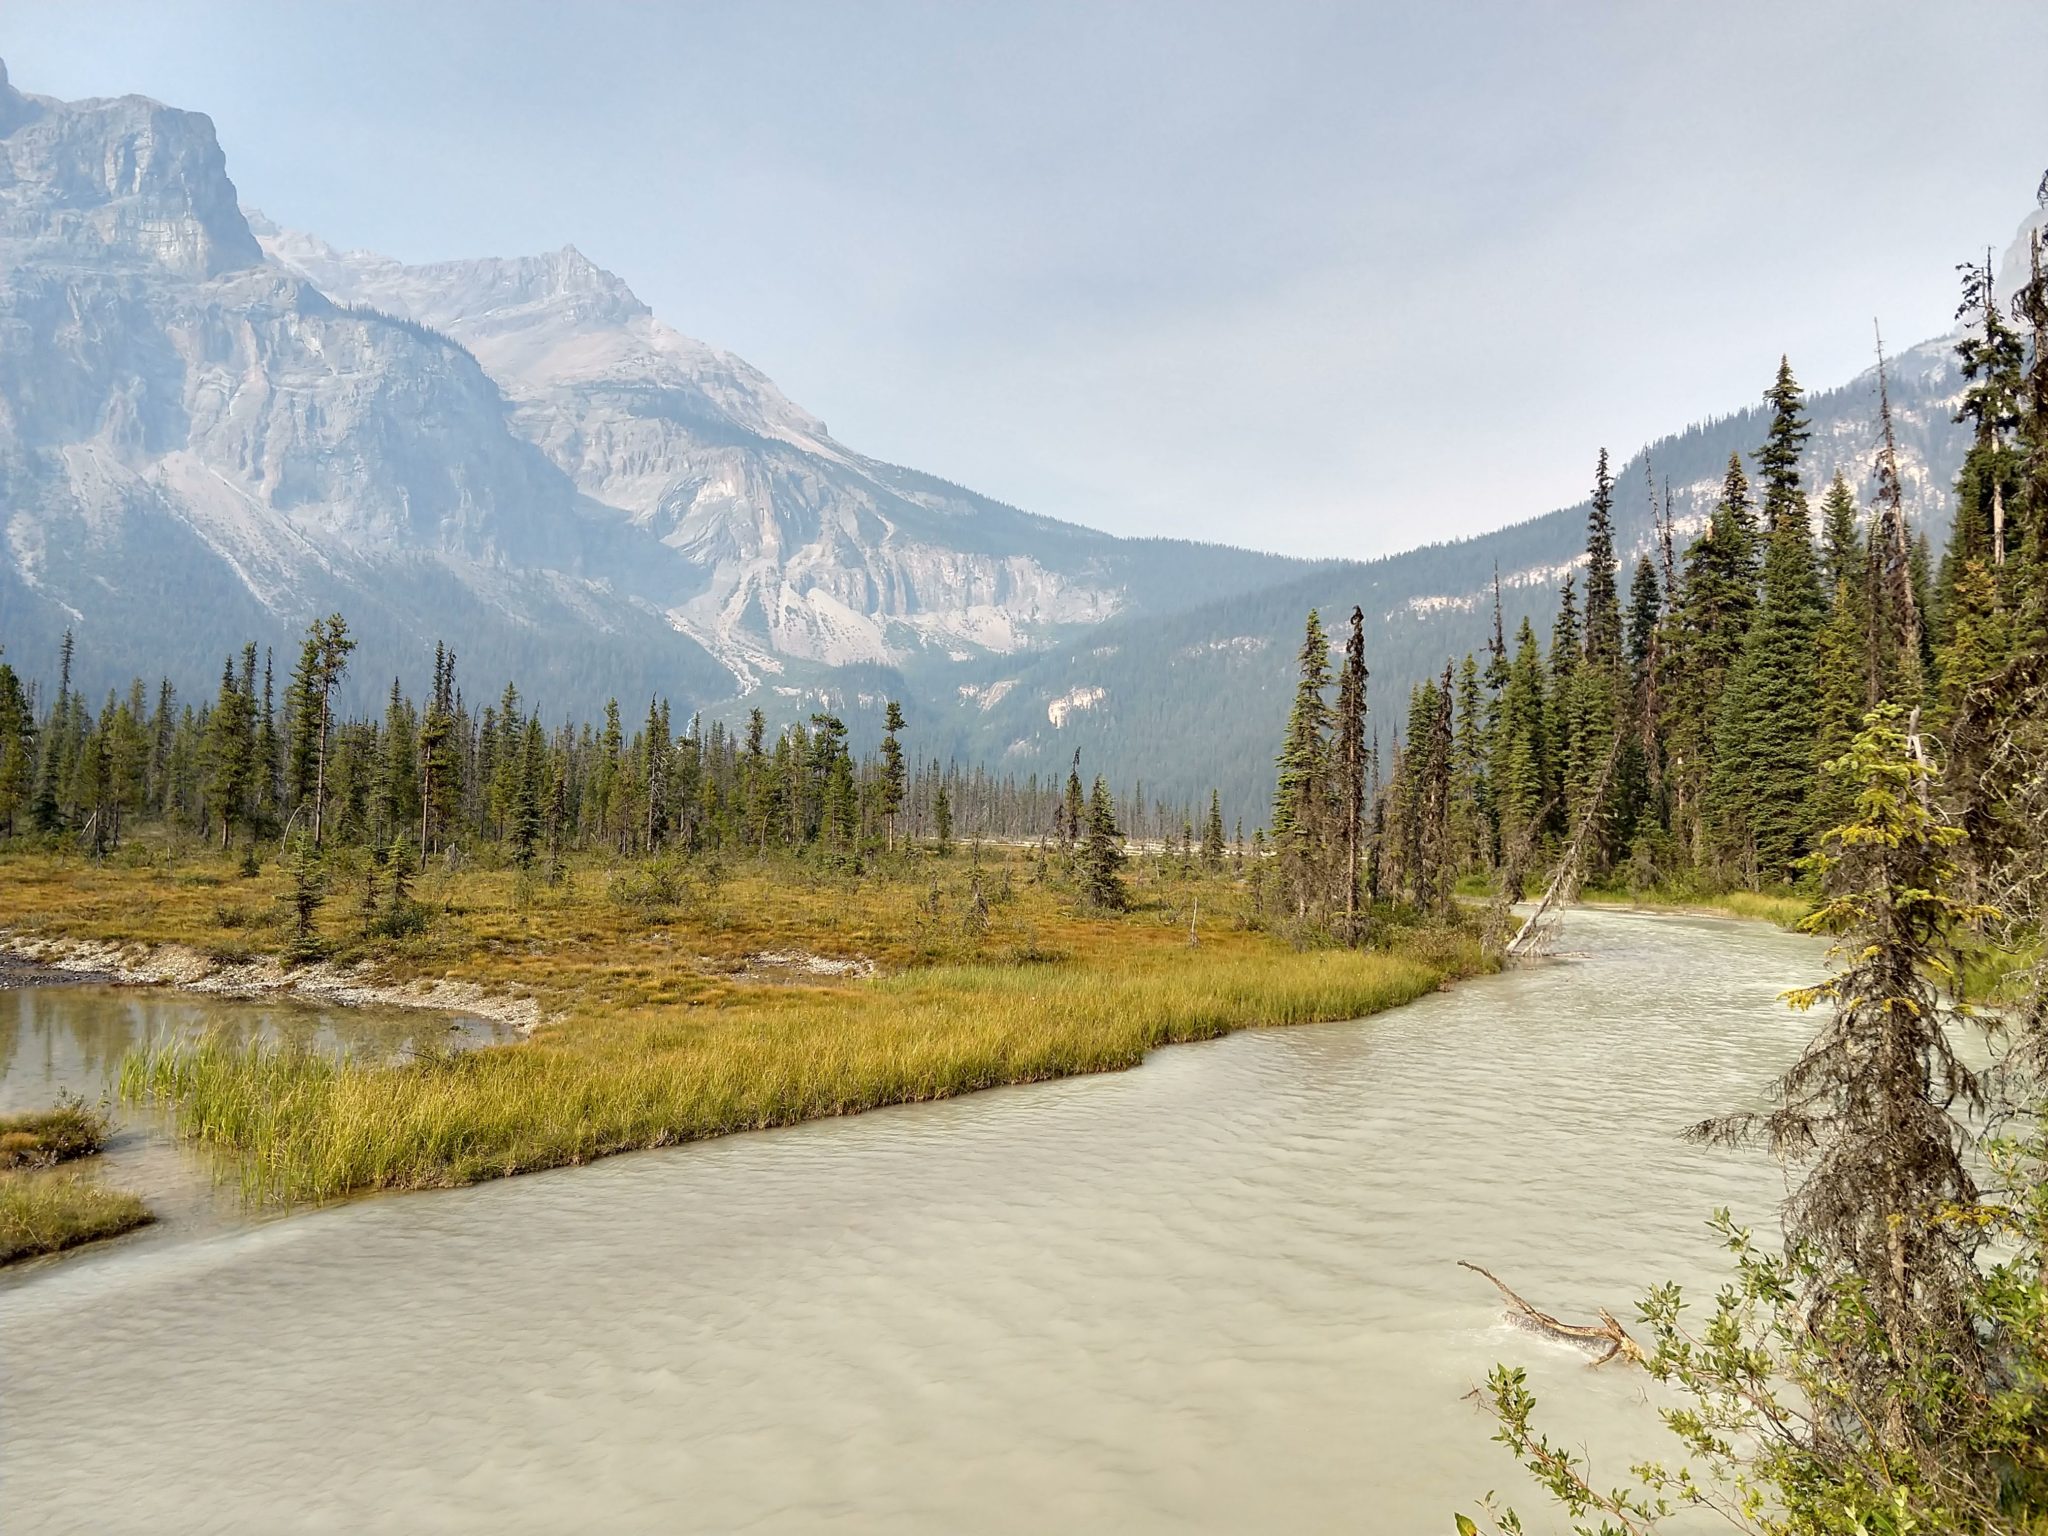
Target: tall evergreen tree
{"points": [[1716, 605], [1993, 361], [1841, 540], [1784, 496], [1348, 753], [1768, 719], [231, 759], [1301, 796], [1212, 833], [1520, 769], [1603, 597], [893, 781]]}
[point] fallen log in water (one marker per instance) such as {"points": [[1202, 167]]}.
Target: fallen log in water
{"points": [[1607, 1331]]}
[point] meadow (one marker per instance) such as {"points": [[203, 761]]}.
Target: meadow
{"points": [[692, 998]]}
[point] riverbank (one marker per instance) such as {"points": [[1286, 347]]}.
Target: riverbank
{"points": [[1781, 908], [44, 1211], [676, 1001], [29, 960]]}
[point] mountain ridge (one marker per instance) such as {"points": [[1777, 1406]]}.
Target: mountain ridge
{"points": [[213, 428]]}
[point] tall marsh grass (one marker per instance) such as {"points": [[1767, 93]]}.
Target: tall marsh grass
{"points": [[298, 1126]]}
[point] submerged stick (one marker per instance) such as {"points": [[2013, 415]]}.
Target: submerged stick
{"points": [[1608, 1331]]}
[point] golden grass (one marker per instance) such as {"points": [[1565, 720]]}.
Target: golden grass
{"points": [[1782, 908], [669, 1026], [42, 1212], [304, 1127]]}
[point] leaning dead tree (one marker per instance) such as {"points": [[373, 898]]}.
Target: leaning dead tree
{"points": [[1537, 933], [1606, 1332]]}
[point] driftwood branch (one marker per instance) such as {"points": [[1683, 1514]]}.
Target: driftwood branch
{"points": [[1607, 1331]]}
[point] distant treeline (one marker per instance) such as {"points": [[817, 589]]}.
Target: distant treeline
{"points": [[265, 757]]}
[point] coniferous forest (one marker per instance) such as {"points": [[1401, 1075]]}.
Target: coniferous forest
{"points": [[1674, 732], [265, 756]]}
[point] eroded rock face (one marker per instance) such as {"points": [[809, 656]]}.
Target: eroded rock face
{"points": [[804, 548], [291, 427], [122, 181]]}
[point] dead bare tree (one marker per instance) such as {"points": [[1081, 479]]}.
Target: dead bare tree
{"points": [[1567, 874]]}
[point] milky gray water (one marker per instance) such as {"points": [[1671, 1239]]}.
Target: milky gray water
{"points": [[1217, 1293]]}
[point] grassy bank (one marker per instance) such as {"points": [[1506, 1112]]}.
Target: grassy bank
{"points": [[1783, 908], [36, 1138], [694, 998], [303, 1127], [43, 1212]]}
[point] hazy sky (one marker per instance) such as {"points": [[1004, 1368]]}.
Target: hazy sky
{"points": [[1325, 279]]}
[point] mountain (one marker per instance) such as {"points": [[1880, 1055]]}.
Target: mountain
{"points": [[1208, 688], [213, 428]]}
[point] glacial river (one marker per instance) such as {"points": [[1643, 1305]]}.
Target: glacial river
{"points": [[1217, 1293]]}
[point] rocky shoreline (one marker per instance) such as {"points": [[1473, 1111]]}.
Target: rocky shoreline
{"points": [[30, 961]]}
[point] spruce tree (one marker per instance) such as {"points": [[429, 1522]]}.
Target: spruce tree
{"points": [[335, 645], [1841, 541], [1869, 1108], [1301, 795], [1212, 833], [1993, 361], [1639, 776], [231, 759], [527, 818], [1073, 808], [1471, 797], [16, 750], [1784, 497], [893, 782], [300, 711], [1770, 717], [1715, 608], [398, 767], [1348, 761], [1102, 857], [1645, 615], [1520, 771], [1434, 875], [1603, 598]]}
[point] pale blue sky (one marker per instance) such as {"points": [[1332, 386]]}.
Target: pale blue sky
{"points": [[1330, 279]]}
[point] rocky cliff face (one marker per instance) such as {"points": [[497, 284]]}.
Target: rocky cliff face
{"points": [[120, 183], [292, 427], [794, 545]]}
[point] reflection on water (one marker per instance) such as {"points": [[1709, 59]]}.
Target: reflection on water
{"points": [[1217, 1293], [70, 1039], [73, 1038]]}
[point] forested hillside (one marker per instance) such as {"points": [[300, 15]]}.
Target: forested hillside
{"points": [[1687, 718]]}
